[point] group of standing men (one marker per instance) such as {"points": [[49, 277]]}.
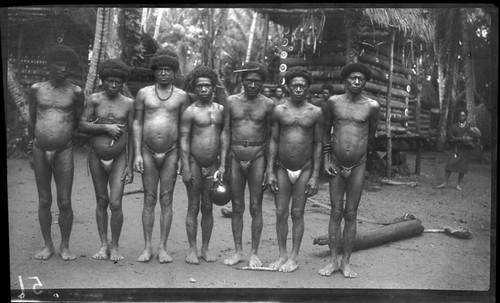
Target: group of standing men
{"points": [[247, 140]]}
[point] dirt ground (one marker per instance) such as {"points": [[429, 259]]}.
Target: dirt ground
{"points": [[418, 265]]}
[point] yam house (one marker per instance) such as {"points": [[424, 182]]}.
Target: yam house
{"points": [[389, 41]]}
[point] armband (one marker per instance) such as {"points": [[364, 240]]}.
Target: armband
{"points": [[327, 149]]}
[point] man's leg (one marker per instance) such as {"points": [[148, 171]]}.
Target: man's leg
{"points": [[193, 192], [447, 174], [63, 177], [43, 177], [282, 203], [299, 198], [337, 189], [150, 178], [207, 218], [238, 183], [459, 182], [353, 195], [115, 205], [100, 181], [255, 181], [168, 176]]}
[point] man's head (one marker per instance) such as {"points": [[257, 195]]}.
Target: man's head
{"points": [[326, 91], [253, 75], [113, 73], [298, 79], [461, 114], [202, 80], [355, 76], [165, 64], [279, 92], [60, 59], [266, 91]]}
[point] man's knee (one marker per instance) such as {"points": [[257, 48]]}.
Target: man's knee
{"points": [[149, 200], [336, 214], [115, 205], [297, 213], [350, 215], [238, 209], [255, 209], [102, 202], [281, 214]]}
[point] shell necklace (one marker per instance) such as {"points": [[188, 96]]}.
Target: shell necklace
{"points": [[158, 95]]}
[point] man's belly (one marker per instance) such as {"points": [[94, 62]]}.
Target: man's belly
{"points": [[53, 137], [106, 148]]}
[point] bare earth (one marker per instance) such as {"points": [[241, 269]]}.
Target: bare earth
{"points": [[416, 266]]}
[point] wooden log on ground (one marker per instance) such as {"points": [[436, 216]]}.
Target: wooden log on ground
{"points": [[381, 235]]}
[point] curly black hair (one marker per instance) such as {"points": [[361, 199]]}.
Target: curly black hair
{"points": [[298, 71], [61, 52], [114, 68], [200, 72]]}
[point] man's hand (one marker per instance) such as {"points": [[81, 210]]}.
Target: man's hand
{"points": [[330, 168], [139, 164], [272, 183], [187, 175], [127, 175], [115, 130], [312, 187]]}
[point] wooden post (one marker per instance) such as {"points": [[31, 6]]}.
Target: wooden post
{"points": [[417, 115], [348, 40], [250, 38], [266, 33], [388, 106]]}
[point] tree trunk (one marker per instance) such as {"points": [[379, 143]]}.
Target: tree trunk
{"points": [[17, 94], [114, 45], [466, 53], [250, 37], [158, 23], [100, 39]]}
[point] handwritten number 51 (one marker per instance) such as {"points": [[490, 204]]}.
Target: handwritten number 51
{"points": [[35, 291]]}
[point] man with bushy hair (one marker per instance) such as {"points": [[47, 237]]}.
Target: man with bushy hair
{"points": [[158, 110], [108, 118]]}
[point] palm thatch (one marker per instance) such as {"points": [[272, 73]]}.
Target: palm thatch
{"points": [[413, 22]]}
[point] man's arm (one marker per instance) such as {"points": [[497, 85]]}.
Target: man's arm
{"points": [[79, 105], [32, 110], [225, 136], [130, 133], [318, 144], [137, 130], [272, 150], [374, 120], [185, 140], [327, 130]]}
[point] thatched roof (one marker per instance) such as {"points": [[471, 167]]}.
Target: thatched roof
{"points": [[412, 22]]}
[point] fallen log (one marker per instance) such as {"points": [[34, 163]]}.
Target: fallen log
{"points": [[381, 235], [392, 182]]}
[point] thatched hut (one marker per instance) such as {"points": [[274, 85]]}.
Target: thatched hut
{"points": [[389, 41]]}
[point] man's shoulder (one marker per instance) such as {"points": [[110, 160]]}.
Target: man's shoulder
{"points": [[371, 102]]}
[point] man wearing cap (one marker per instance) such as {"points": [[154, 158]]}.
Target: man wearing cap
{"points": [[201, 127], [108, 117], [158, 110], [354, 118], [55, 107], [247, 127], [294, 162]]}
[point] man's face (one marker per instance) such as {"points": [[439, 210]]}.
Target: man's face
{"points": [[298, 89], [355, 82], [266, 92], [325, 94], [252, 84], [279, 92], [60, 69], [203, 89], [164, 75], [462, 117], [112, 85]]}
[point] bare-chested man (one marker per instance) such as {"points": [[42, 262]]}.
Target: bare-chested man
{"points": [[294, 162], [158, 110], [201, 127], [55, 107], [108, 118], [247, 126], [354, 118]]}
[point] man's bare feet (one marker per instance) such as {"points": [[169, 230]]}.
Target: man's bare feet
{"points": [[146, 255], [329, 269], [277, 264], [115, 254], [163, 257], [440, 185], [207, 256], [45, 254], [254, 261], [347, 270], [236, 258], [192, 258], [289, 266], [102, 254], [66, 254], [458, 187]]}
